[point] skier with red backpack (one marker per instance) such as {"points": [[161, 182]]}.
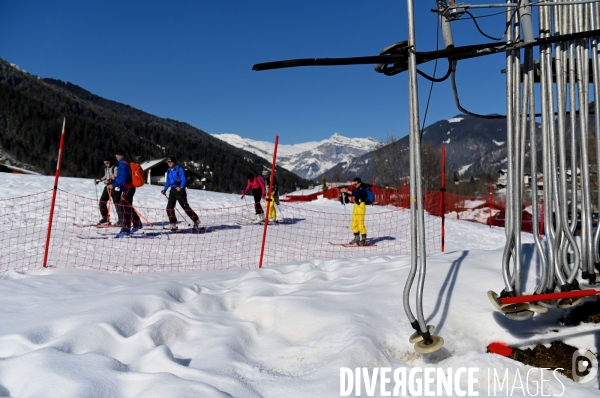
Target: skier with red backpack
{"points": [[123, 182]]}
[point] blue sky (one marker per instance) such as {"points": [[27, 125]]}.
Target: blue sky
{"points": [[192, 61]]}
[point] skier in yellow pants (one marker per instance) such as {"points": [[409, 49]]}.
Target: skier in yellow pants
{"points": [[359, 191], [272, 216], [272, 212]]}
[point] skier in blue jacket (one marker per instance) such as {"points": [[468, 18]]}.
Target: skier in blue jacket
{"points": [[122, 182], [175, 180]]}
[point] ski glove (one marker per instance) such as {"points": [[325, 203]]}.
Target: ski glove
{"points": [[163, 192]]}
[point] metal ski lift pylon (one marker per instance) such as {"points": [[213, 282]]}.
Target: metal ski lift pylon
{"points": [[565, 70], [402, 57]]}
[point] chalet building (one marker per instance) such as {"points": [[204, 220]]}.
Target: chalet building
{"points": [[155, 171], [503, 173], [7, 167]]}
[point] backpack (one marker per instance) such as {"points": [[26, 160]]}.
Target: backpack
{"points": [[370, 196], [189, 180], [137, 175]]}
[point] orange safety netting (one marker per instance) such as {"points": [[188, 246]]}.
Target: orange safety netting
{"points": [[229, 241], [432, 200], [474, 208]]}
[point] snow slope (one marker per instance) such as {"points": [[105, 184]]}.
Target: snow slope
{"points": [[310, 159], [281, 331]]}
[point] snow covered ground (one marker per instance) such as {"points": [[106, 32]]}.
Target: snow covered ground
{"points": [[283, 331]]}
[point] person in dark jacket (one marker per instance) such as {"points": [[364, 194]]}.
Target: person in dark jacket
{"points": [[257, 185], [125, 208], [359, 191], [176, 181], [110, 171]]}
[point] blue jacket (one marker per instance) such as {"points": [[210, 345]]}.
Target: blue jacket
{"points": [[123, 177], [175, 178]]}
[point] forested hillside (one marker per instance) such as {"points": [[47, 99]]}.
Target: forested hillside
{"points": [[31, 114]]}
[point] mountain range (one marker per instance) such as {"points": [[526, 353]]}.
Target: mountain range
{"points": [[309, 160], [32, 109], [473, 146]]}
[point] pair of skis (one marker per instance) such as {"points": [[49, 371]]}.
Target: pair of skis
{"points": [[250, 221], [190, 230], [353, 244], [169, 229], [142, 233], [93, 225]]}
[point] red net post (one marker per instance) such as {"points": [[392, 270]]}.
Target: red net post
{"points": [[491, 199], [443, 196], [56, 175], [262, 249]]}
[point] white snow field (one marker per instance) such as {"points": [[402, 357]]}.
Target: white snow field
{"points": [[286, 330]]}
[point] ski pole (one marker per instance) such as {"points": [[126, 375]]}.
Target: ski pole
{"points": [[108, 207], [136, 211], [97, 200], [345, 212], [279, 210], [114, 206], [142, 216], [246, 200]]}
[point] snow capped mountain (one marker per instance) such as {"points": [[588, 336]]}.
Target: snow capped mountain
{"points": [[473, 146], [309, 159]]}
